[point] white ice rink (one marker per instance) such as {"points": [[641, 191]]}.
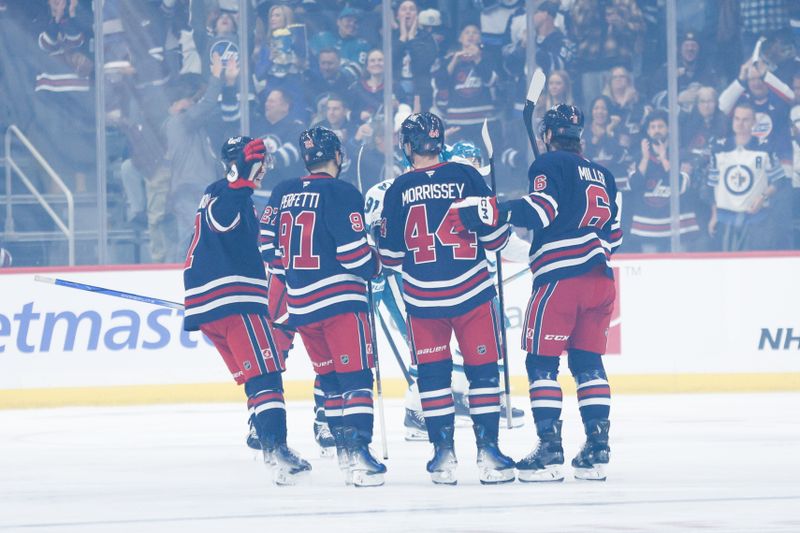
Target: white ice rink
{"points": [[679, 463]]}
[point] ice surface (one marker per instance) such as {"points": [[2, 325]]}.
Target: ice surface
{"points": [[679, 463]]}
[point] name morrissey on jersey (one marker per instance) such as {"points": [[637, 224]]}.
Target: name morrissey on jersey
{"points": [[433, 191], [300, 199]]}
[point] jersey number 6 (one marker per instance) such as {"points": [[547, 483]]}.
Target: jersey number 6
{"points": [[423, 244], [598, 207]]}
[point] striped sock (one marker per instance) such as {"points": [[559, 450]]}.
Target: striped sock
{"points": [[269, 411], [357, 412], [546, 397], [594, 396], [333, 410], [319, 401]]}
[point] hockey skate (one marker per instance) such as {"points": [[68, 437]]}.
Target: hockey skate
{"points": [[494, 467], [252, 437], [590, 463], [323, 436], [364, 469], [414, 423], [442, 467], [289, 468], [546, 462]]}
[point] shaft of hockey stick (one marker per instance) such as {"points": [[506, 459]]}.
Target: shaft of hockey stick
{"points": [[109, 292], [379, 387], [519, 274], [358, 169], [487, 141], [534, 92], [393, 346]]}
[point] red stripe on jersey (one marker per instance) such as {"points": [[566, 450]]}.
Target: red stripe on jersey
{"points": [[318, 295], [570, 252], [544, 204], [250, 289], [356, 254], [440, 293]]}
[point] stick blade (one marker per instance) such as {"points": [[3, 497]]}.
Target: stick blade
{"points": [[487, 140], [537, 85]]}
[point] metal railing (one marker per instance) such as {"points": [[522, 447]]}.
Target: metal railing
{"points": [[67, 229]]}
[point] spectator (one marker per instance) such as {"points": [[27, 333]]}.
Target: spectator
{"points": [[191, 160], [277, 61], [352, 48], [559, 91], [553, 50], [329, 78], [469, 88], [336, 118], [601, 144], [280, 131], [693, 70], [760, 17], [607, 36], [650, 194], [770, 97], [367, 93], [743, 174], [626, 104], [414, 55], [64, 99], [705, 122]]}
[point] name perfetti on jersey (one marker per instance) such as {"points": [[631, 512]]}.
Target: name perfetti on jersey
{"points": [[300, 199], [591, 174], [433, 191]]}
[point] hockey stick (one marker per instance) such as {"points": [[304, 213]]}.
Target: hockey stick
{"points": [[487, 141], [513, 277], [393, 346], [109, 292], [381, 418], [534, 92]]}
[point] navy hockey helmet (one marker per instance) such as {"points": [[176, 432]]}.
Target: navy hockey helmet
{"points": [[564, 120], [233, 148], [465, 151], [318, 145], [424, 132]]}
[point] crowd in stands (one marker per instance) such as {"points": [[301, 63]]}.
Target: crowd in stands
{"points": [[172, 82]]}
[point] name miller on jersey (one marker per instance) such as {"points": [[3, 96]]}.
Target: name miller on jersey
{"points": [[300, 199], [591, 174], [433, 191]]}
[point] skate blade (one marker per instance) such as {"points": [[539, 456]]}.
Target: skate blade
{"points": [[327, 453], [416, 435], [444, 477], [495, 477], [547, 474], [596, 473], [284, 478], [362, 478]]}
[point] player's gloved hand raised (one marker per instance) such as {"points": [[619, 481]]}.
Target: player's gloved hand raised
{"points": [[473, 213], [250, 166]]}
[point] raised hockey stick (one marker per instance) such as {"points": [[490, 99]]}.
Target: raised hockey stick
{"points": [[534, 92], [487, 141], [108, 292]]}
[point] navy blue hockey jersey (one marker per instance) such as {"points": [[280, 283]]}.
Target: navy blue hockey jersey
{"points": [[445, 274], [224, 274], [573, 211], [313, 235]]}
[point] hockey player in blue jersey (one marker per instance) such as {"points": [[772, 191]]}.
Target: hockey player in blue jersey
{"points": [[573, 211], [226, 298], [323, 256], [447, 290]]}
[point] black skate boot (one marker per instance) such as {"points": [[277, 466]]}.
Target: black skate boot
{"points": [[546, 462], [590, 463], [442, 467], [289, 468], [365, 469], [342, 457], [252, 437], [324, 437], [493, 466], [414, 423]]}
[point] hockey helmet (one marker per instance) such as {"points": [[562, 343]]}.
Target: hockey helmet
{"points": [[318, 145], [465, 151], [233, 148], [564, 120], [424, 132]]}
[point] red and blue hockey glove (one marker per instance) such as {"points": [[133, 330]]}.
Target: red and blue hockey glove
{"points": [[250, 166], [474, 213]]}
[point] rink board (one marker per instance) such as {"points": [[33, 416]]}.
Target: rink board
{"points": [[699, 323]]}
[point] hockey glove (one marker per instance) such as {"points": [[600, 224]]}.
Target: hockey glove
{"points": [[474, 213], [250, 166]]}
